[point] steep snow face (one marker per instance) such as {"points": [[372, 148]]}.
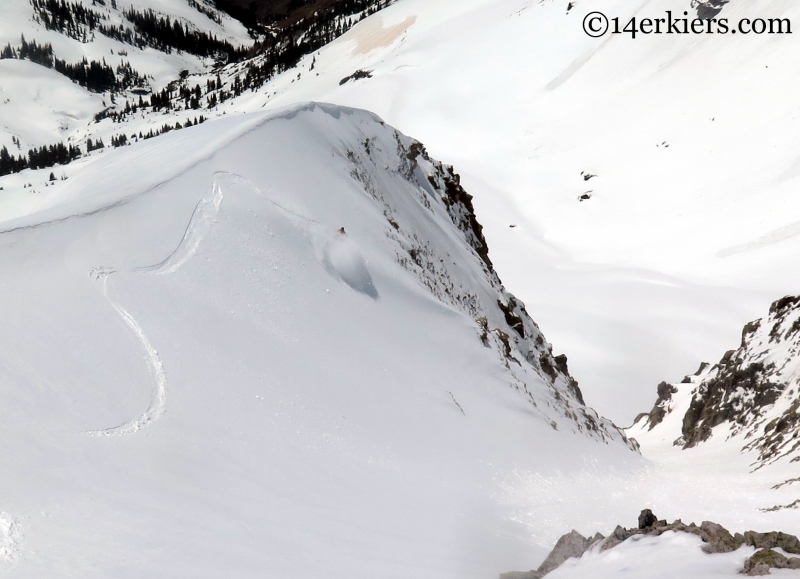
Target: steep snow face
{"points": [[642, 241], [750, 397], [283, 352], [685, 146]]}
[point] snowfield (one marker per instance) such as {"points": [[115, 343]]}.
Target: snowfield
{"points": [[273, 344], [686, 141], [692, 215], [218, 382]]}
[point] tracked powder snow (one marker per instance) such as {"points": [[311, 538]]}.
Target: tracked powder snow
{"points": [[274, 345], [239, 366]]}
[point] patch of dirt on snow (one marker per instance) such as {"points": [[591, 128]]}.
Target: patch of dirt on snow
{"points": [[372, 37]]}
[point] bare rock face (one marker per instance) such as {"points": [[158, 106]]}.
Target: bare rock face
{"points": [[718, 538], [788, 543], [754, 390], [617, 536], [573, 544], [503, 322]]}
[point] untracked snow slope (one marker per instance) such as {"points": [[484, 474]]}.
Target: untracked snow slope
{"points": [[689, 144], [280, 353]]}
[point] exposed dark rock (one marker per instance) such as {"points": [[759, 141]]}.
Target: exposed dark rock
{"points": [[745, 389], [513, 320], [357, 75], [788, 543], [502, 322], [715, 401], [573, 544], [617, 536], [665, 392], [717, 539], [793, 505], [647, 519]]}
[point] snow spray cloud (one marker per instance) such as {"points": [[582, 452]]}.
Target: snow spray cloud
{"points": [[597, 24]]}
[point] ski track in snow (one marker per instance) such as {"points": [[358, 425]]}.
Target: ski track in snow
{"points": [[200, 223]]}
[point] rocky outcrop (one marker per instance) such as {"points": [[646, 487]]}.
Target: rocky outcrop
{"points": [[647, 519], [716, 539], [762, 561], [573, 544], [468, 281], [754, 390]]}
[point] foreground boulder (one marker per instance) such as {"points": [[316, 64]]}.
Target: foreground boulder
{"points": [[573, 544], [765, 559]]}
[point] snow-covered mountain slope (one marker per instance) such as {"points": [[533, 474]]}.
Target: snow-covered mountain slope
{"points": [[687, 225], [752, 390], [39, 106], [749, 398], [732, 429], [273, 346], [692, 141]]}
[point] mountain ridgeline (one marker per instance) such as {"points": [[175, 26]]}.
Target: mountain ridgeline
{"points": [[751, 395], [502, 321]]}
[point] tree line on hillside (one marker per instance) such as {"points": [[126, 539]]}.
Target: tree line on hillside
{"points": [[45, 156], [284, 48], [149, 28], [278, 51], [95, 76], [60, 154]]}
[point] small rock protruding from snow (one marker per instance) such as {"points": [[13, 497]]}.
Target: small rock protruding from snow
{"points": [[573, 544]]}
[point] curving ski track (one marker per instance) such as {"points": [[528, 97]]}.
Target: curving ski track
{"points": [[200, 223]]}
